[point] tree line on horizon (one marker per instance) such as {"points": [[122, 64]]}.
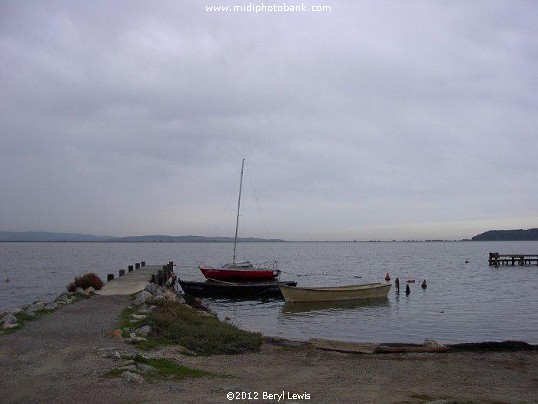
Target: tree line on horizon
{"points": [[508, 235]]}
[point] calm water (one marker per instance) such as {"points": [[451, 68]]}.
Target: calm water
{"points": [[463, 302]]}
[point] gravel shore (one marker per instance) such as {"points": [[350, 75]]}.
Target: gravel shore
{"points": [[59, 358]]}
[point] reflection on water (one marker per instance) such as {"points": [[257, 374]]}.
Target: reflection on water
{"points": [[244, 302], [327, 308]]}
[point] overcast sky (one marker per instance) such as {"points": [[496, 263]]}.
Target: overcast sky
{"points": [[374, 120]]}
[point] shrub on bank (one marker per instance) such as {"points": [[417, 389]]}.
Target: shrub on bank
{"points": [[86, 281]]}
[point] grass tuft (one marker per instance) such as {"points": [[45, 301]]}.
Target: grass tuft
{"points": [[163, 367], [171, 369]]}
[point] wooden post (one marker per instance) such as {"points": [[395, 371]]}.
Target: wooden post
{"points": [[110, 277], [122, 272], [137, 265], [130, 268], [143, 263]]}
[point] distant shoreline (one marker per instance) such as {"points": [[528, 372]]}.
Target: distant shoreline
{"points": [[252, 241], [46, 237]]}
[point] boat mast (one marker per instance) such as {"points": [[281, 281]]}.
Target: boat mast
{"points": [[238, 207]]}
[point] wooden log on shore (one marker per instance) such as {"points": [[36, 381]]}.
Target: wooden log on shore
{"points": [[411, 348], [368, 348], [342, 346]]}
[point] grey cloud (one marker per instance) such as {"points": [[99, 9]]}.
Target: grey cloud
{"points": [[397, 115]]}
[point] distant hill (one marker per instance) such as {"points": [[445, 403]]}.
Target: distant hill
{"points": [[177, 239], [49, 236], [508, 235], [44, 236]]}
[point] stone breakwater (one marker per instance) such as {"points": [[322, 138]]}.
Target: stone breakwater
{"points": [[14, 318], [142, 307], [130, 365]]}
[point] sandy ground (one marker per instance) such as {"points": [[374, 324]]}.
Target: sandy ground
{"points": [[58, 359]]}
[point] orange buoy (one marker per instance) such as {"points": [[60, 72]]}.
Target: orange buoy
{"points": [[387, 277]]}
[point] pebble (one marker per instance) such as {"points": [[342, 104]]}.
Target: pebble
{"points": [[131, 377]]}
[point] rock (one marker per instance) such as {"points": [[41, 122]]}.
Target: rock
{"points": [[129, 367], [138, 317], [90, 290], [136, 338], [9, 326], [109, 353], [51, 306], [131, 377], [142, 297], [9, 319], [79, 291], [64, 298], [142, 367], [34, 308], [143, 331], [169, 295], [144, 309], [433, 344], [128, 355], [152, 288]]}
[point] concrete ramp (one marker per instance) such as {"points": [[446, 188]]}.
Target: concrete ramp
{"points": [[131, 282]]}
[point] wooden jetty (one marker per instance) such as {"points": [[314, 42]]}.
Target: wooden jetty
{"points": [[136, 278], [496, 259]]}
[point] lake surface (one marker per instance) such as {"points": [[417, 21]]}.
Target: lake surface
{"points": [[464, 302]]}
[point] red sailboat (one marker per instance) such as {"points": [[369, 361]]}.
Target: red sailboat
{"points": [[243, 271]]}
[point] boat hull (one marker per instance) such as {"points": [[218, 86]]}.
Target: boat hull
{"points": [[239, 274], [334, 294], [258, 290]]}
